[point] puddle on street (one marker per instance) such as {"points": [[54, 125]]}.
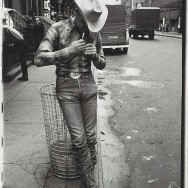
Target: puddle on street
{"points": [[115, 72], [131, 72], [126, 71], [150, 110], [143, 84]]}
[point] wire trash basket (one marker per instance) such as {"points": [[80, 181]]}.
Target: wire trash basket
{"points": [[62, 159]]}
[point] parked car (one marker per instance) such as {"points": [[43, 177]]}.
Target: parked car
{"points": [[115, 34], [144, 21]]}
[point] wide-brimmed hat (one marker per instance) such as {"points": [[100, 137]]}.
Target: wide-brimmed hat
{"points": [[94, 13]]}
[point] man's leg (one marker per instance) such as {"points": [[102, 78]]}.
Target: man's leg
{"points": [[73, 119], [22, 57], [68, 93], [89, 112]]}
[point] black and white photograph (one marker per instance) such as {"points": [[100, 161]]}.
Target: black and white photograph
{"points": [[93, 94]]}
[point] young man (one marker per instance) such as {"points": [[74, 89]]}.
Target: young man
{"points": [[72, 45]]}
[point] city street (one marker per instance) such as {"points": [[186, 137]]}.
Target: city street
{"points": [[140, 115]]}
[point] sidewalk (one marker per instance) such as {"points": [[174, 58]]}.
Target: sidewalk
{"points": [[25, 154], [169, 34]]}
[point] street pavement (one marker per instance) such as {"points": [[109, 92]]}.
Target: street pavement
{"points": [[25, 153], [141, 92]]}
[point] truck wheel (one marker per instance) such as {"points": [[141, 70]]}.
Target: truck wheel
{"points": [[135, 36], [125, 50], [151, 36]]}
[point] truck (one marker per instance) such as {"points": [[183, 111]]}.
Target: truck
{"points": [[144, 21], [115, 33]]}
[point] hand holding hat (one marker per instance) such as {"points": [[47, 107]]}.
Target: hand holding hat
{"points": [[94, 13]]}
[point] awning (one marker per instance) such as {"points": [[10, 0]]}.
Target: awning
{"points": [[172, 4]]}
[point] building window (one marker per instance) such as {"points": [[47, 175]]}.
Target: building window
{"points": [[8, 3], [40, 8], [46, 5], [23, 7], [34, 6]]}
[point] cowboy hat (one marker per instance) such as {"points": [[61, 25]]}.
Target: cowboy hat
{"points": [[94, 13]]}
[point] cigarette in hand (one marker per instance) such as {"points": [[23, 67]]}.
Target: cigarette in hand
{"points": [[83, 35]]}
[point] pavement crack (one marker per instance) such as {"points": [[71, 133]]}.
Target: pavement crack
{"points": [[28, 161], [35, 176]]}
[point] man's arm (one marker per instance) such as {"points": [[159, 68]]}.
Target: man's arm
{"points": [[47, 56], [96, 53]]}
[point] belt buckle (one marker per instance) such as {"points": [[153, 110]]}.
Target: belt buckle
{"points": [[75, 75]]}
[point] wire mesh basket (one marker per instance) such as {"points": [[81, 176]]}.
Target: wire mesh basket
{"points": [[62, 160]]}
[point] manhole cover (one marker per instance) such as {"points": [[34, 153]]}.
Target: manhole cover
{"points": [[143, 84]]}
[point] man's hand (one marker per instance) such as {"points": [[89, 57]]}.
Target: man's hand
{"points": [[90, 50], [77, 46]]}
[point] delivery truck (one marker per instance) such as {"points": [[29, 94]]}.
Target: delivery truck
{"points": [[115, 33], [144, 21]]}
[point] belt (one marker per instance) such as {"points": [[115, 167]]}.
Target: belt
{"points": [[74, 75]]}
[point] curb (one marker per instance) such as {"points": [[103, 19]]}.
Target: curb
{"points": [[172, 36], [100, 167]]}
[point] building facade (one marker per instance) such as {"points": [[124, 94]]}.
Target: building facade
{"points": [[22, 6], [170, 13], [47, 8]]}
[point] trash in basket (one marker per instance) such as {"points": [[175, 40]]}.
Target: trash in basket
{"points": [[62, 159]]}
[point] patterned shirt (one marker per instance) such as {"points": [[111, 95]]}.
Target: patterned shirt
{"points": [[59, 37]]}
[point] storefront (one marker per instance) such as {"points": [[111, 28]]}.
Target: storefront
{"points": [[170, 13], [22, 6]]}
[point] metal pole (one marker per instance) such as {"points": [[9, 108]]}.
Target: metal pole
{"points": [[132, 5]]}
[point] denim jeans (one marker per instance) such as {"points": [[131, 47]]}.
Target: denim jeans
{"points": [[78, 101]]}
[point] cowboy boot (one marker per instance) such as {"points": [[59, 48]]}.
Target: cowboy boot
{"points": [[81, 185], [93, 153], [88, 178]]}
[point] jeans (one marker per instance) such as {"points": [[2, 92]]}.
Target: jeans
{"points": [[78, 102]]}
